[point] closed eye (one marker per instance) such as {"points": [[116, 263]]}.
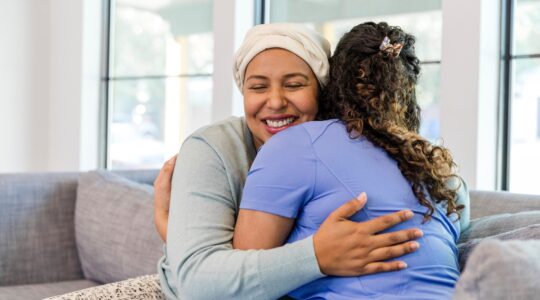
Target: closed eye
{"points": [[294, 85], [257, 87]]}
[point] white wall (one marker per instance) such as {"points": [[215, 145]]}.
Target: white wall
{"points": [[74, 74], [469, 87], [49, 83], [24, 85]]}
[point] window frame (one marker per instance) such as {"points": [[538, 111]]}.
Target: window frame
{"points": [[505, 101], [107, 79]]}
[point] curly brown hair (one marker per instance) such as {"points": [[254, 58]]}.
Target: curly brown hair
{"points": [[373, 92]]}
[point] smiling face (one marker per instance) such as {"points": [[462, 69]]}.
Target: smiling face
{"points": [[280, 90]]}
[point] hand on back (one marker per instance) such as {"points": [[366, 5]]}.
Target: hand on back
{"points": [[347, 248], [342, 247]]}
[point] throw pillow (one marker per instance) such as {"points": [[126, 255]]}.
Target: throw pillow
{"points": [[114, 228], [500, 270]]}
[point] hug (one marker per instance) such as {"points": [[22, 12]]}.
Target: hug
{"points": [[324, 188]]}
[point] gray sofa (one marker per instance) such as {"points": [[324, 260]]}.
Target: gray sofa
{"points": [[61, 232]]}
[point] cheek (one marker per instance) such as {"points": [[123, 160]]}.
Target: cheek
{"points": [[250, 105], [309, 105]]}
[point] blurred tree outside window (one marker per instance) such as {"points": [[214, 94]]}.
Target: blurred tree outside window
{"points": [[159, 78], [422, 18]]}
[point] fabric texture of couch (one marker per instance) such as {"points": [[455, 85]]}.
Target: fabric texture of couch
{"points": [[61, 233]]}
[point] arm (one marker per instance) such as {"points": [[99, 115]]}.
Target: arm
{"points": [[281, 181], [260, 230], [199, 239], [200, 255]]}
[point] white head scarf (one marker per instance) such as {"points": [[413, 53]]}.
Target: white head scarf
{"points": [[309, 45]]}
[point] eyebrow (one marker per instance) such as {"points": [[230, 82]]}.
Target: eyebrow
{"points": [[297, 74], [287, 76]]}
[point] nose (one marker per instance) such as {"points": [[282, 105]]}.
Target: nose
{"points": [[276, 99]]}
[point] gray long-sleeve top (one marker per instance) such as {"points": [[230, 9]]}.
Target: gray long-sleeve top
{"points": [[200, 262]]}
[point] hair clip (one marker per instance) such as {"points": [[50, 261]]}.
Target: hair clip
{"points": [[385, 44], [392, 49]]}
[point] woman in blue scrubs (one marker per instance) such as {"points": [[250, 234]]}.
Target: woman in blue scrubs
{"points": [[367, 142]]}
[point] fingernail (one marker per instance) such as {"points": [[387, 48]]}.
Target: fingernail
{"points": [[402, 265], [419, 233], [414, 245], [408, 214], [361, 198]]}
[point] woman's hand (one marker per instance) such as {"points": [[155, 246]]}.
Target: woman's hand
{"points": [[162, 197], [347, 248]]}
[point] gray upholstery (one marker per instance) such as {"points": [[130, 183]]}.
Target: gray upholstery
{"points": [[37, 239], [500, 223], [40, 291], [37, 229], [527, 232], [114, 226], [501, 270], [487, 203], [37, 222]]}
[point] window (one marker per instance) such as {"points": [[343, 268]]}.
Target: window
{"points": [[159, 78], [523, 95], [422, 18]]}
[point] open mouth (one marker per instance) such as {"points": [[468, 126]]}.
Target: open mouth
{"points": [[278, 123]]}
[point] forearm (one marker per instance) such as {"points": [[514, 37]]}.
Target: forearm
{"points": [[222, 273], [199, 250], [200, 232], [260, 230]]}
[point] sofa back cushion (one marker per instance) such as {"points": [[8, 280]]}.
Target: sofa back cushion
{"points": [[114, 228], [37, 238], [487, 203]]}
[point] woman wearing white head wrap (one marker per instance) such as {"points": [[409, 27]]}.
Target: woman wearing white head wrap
{"points": [[279, 69], [313, 48]]}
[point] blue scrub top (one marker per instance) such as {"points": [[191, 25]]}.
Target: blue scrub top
{"points": [[309, 170]]}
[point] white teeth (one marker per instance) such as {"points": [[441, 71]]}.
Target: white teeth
{"points": [[279, 123]]}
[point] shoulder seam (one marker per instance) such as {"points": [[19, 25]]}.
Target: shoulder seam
{"points": [[315, 162]]}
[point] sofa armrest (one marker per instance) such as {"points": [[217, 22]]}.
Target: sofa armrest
{"points": [[37, 235], [487, 203]]}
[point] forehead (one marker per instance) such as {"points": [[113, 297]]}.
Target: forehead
{"points": [[276, 60]]}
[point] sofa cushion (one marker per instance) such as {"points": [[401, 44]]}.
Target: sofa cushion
{"points": [[531, 232], [487, 203], [37, 235], [497, 224], [40, 291], [114, 228], [501, 270], [521, 226]]}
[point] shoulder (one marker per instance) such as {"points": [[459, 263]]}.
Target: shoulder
{"points": [[304, 134], [223, 131], [229, 136]]}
